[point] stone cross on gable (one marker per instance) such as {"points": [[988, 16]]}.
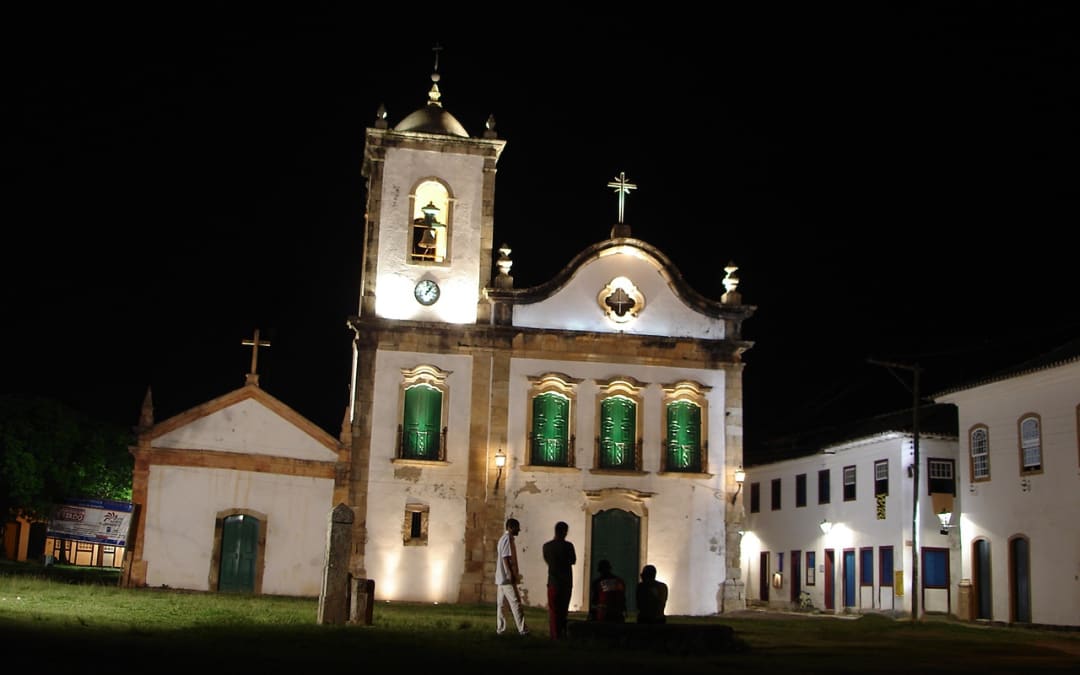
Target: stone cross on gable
{"points": [[623, 187], [254, 343]]}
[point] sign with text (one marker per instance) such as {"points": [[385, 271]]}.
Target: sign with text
{"points": [[99, 521]]}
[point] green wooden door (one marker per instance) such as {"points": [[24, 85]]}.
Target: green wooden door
{"points": [[239, 548], [616, 536]]}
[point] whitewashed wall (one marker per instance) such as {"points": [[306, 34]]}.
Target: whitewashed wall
{"points": [[183, 504], [576, 305], [685, 524], [1046, 509], [430, 573], [855, 523], [460, 279]]}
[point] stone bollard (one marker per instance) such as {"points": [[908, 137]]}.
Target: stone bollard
{"points": [[362, 601], [334, 598]]}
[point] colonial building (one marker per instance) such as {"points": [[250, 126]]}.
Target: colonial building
{"points": [[835, 526], [609, 397], [1020, 477]]}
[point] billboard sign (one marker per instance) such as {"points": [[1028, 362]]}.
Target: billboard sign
{"points": [[99, 521]]}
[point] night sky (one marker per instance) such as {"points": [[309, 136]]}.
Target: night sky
{"points": [[897, 183]]}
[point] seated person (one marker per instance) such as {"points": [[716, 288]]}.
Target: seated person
{"points": [[607, 596], [651, 597]]}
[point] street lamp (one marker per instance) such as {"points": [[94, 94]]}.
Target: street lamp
{"points": [[945, 516], [825, 525], [740, 476], [500, 462]]}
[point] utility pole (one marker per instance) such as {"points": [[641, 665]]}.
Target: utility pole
{"points": [[915, 370]]}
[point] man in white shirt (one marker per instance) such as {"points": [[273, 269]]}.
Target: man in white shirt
{"points": [[506, 580]]}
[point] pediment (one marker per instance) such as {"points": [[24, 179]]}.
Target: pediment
{"points": [[246, 421]]}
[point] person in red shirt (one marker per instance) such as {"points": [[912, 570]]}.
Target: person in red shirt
{"points": [[607, 595]]}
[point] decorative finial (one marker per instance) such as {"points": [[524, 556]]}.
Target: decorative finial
{"points": [[489, 127], [731, 282], [146, 414], [504, 280], [380, 117], [434, 94]]}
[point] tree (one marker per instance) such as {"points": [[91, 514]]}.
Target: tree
{"points": [[50, 452]]}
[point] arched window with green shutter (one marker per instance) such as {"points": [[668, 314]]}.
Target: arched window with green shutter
{"points": [[421, 423], [550, 430], [618, 433], [683, 437]]}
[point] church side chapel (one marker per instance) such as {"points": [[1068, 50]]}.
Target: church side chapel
{"points": [[609, 397], [233, 495]]}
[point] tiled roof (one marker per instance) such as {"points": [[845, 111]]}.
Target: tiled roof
{"points": [[935, 419], [1060, 355]]}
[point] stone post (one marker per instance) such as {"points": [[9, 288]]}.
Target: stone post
{"points": [[334, 598]]}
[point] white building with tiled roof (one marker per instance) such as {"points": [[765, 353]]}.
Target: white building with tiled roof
{"points": [[831, 528], [1020, 479]]}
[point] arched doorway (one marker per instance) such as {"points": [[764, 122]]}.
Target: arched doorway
{"points": [[618, 527], [239, 551], [616, 536], [980, 563], [1020, 579]]}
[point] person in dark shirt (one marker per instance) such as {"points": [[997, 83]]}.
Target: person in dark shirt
{"points": [[607, 595], [560, 557], [651, 597]]}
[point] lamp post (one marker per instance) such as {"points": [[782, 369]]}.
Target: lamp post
{"points": [[915, 370]]}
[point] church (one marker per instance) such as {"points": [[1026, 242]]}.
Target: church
{"points": [[609, 397]]}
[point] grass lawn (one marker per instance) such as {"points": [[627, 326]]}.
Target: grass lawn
{"points": [[97, 627]]}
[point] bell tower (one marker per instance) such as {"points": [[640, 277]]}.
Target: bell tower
{"points": [[429, 220]]}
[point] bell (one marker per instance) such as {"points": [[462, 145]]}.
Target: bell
{"points": [[427, 240]]}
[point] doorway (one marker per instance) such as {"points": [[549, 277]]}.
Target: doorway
{"points": [[1020, 579], [830, 576], [763, 577], [796, 577], [980, 562], [616, 537], [239, 553], [849, 577]]}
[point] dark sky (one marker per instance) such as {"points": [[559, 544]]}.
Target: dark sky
{"points": [[896, 182]]}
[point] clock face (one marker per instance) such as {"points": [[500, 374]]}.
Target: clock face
{"points": [[426, 292]]}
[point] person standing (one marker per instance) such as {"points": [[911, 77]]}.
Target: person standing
{"points": [[607, 596], [651, 597], [560, 557], [506, 580]]}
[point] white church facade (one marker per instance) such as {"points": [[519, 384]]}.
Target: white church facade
{"points": [[609, 397]]}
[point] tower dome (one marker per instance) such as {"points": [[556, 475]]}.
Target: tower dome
{"points": [[432, 118]]}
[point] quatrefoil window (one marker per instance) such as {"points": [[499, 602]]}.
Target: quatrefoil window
{"points": [[621, 300]]}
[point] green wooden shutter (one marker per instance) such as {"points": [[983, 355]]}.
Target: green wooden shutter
{"points": [[422, 419], [683, 437], [551, 414], [618, 433]]}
